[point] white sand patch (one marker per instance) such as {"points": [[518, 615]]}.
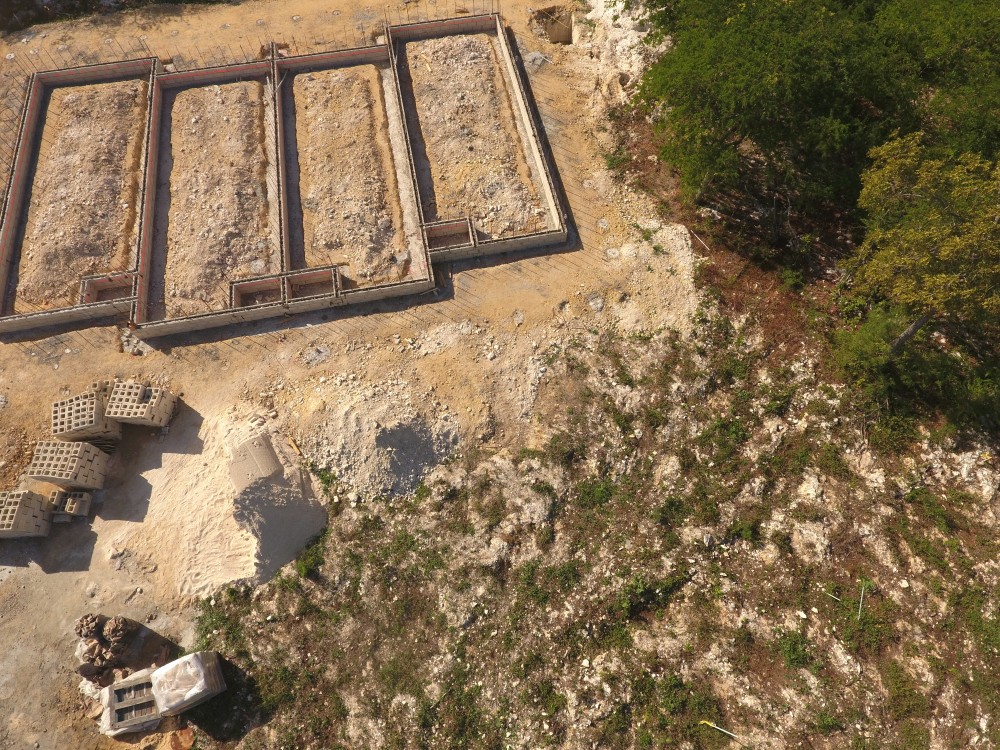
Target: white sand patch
{"points": [[201, 532]]}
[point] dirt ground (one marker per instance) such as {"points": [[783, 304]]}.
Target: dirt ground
{"points": [[217, 225], [377, 397], [471, 145], [82, 206], [347, 179]]}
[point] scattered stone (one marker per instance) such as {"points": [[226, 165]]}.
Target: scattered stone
{"points": [[88, 626]]}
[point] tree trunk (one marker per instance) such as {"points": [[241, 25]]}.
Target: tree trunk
{"points": [[909, 333]]}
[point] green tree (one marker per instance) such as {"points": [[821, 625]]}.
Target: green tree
{"points": [[933, 236], [779, 100]]}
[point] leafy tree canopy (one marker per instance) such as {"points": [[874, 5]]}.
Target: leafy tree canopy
{"points": [[783, 99], [933, 232]]}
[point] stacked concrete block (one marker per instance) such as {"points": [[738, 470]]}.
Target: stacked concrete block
{"points": [[136, 403], [72, 466], [83, 417], [24, 513], [69, 505]]}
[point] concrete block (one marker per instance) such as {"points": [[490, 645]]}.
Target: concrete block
{"points": [[23, 514], [131, 705], [82, 417], [72, 466], [67, 505], [136, 403]]}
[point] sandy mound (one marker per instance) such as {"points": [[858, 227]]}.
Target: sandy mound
{"points": [[204, 529], [277, 507]]}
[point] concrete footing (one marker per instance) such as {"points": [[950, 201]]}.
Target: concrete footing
{"points": [[291, 289]]}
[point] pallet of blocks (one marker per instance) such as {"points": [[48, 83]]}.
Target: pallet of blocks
{"points": [[137, 403], [69, 505], [72, 466], [83, 417], [129, 706], [23, 514]]}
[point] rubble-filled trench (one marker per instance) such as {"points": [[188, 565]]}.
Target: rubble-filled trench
{"points": [[348, 193], [217, 227], [474, 159], [82, 206]]}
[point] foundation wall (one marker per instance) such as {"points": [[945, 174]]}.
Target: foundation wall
{"points": [[278, 81], [277, 212], [440, 241], [147, 203], [20, 184]]}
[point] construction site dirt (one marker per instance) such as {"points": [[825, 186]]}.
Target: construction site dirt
{"points": [[212, 217], [83, 202], [377, 395]]}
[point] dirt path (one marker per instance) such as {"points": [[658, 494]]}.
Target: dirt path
{"points": [[84, 194], [217, 227], [347, 179], [472, 148]]}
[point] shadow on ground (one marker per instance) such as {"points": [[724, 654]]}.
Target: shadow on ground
{"points": [[230, 716]]}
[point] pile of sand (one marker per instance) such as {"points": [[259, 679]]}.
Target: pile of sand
{"points": [[204, 527]]}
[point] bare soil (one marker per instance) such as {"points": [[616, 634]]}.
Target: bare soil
{"points": [[474, 152], [377, 394], [347, 179], [217, 226], [82, 209]]}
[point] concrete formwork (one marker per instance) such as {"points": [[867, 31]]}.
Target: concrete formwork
{"points": [[294, 290], [72, 466], [93, 304], [24, 514]]}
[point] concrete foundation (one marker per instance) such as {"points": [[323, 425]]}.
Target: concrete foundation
{"points": [[293, 288], [24, 514], [72, 466]]}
